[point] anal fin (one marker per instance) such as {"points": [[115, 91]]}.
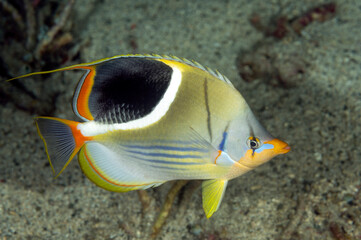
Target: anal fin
{"points": [[212, 194], [109, 170]]}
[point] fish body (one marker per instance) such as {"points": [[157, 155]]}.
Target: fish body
{"points": [[149, 119]]}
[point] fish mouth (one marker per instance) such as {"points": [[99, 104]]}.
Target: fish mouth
{"points": [[280, 147], [284, 150]]}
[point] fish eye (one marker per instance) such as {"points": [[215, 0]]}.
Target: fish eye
{"points": [[253, 143]]}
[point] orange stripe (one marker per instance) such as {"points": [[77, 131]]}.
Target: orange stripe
{"points": [[79, 138], [109, 181], [219, 154], [84, 93]]}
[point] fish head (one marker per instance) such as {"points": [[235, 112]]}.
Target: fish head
{"points": [[259, 151], [250, 144]]}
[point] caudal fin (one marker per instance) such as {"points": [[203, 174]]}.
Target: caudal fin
{"points": [[62, 141]]}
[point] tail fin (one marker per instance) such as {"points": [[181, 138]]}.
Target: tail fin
{"points": [[62, 141]]}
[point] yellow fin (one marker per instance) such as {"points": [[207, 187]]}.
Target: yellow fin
{"points": [[98, 164], [212, 194]]}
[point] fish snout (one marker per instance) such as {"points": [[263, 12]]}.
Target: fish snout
{"points": [[280, 147]]}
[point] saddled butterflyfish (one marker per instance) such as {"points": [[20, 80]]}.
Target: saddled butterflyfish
{"points": [[149, 119]]}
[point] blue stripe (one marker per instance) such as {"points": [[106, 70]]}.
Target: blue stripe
{"points": [[169, 168], [164, 161], [264, 147], [166, 155], [169, 148], [223, 142]]}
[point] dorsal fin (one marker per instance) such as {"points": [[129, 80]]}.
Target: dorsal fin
{"points": [[99, 96], [215, 73], [193, 63]]}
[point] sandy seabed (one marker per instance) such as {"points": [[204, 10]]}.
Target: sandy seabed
{"points": [[313, 192]]}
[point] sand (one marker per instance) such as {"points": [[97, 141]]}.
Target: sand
{"points": [[313, 192]]}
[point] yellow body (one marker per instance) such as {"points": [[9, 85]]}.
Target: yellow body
{"points": [[207, 132]]}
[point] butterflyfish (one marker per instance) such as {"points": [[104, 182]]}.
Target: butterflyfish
{"points": [[149, 119]]}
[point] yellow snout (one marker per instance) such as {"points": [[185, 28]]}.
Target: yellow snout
{"points": [[266, 152]]}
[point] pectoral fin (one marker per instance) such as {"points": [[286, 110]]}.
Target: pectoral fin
{"points": [[212, 194]]}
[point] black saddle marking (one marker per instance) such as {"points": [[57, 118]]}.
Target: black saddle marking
{"points": [[126, 89]]}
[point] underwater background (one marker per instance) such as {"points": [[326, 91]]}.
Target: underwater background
{"points": [[297, 64]]}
